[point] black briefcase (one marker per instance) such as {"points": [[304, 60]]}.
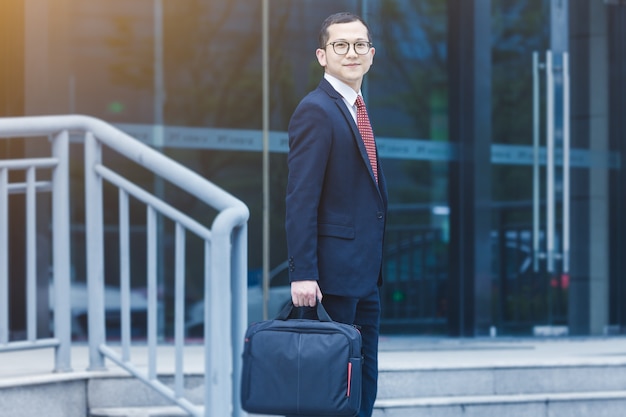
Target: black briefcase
{"points": [[301, 367]]}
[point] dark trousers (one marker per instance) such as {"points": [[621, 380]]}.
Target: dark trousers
{"points": [[364, 312]]}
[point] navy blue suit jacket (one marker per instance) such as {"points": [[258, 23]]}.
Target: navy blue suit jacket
{"points": [[336, 212]]}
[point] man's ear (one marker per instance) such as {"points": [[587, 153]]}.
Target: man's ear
{"points": [[321, 56]]}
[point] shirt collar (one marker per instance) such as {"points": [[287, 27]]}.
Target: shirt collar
{"points": [[342, 88]]}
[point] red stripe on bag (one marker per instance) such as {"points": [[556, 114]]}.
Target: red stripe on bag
{"points": [[349, 378]]}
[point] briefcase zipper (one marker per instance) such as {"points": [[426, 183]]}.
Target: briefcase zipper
{"points": [[312, 331]]}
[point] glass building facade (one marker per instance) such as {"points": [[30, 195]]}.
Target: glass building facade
{"points": [[500, 125]]}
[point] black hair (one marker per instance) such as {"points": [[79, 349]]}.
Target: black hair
{"points": [[341, 17]]}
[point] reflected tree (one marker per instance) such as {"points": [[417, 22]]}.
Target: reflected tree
{"points": [[518, 29], [410, 68], [409, 85]]}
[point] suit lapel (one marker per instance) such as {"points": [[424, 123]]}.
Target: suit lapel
{"points": [[325, 85]]}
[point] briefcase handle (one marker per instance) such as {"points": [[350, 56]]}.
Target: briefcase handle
{"points": [[322, 314]]}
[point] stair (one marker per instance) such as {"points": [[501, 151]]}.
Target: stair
{"points": [[162, 411], [568, 390], [560, 390], [417, 379]]}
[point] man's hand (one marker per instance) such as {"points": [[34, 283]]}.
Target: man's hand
{"points": [[305, 293]]}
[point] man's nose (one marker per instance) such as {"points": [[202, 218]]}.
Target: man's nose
{"points": [[351, 49]]}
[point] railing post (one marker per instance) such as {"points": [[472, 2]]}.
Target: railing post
{"points": [[60, 251], [95, 251], [240, 309], [218, 326], [31, 255], [4, 255]]}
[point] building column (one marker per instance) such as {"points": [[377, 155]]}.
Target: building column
{"points": [[616, 26], [469, 55], [589, 290]]}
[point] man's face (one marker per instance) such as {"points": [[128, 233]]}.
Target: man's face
{"points": [[351, 67]]}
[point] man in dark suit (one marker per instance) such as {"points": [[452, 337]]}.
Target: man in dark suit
{"points": [[336, 194]]}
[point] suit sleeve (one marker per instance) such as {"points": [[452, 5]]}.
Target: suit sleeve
{"points": [[310, 141]]}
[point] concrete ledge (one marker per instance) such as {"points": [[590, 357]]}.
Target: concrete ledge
{"points": [[442, 406], [604, 404], [67, 399], [54, 377], [145, 412], [420, 383], [127, 391], [500, 399], [163, 411], [438, 378]]}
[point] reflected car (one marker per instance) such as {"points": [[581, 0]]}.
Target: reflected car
{"points": [[279, 296], [112, 300]]}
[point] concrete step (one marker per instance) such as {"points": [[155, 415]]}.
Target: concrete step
{"points": [[410, 382], [124, 391], [158, 411], [584, 404], [39, 397], [570, 378], [446, 390], [580, 404], [429, 391], [501, 380], [163, 411]]}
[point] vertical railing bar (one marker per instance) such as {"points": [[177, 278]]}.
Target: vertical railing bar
{"points": [[265, 41], [208, 362], [566, 163], [550, 206], [220, 308], [417, 257], [179, 306], [124, 273], [94, 228], [61, 263], [152, 290], [536, 179], [31, 255], [240, 310], [424, 273], [222, 268], [4, 256]]}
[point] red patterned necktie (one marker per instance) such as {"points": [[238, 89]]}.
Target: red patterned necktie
{"points": [[365, 128]]}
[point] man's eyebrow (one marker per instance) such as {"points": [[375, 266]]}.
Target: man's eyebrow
{"points": [[356, 40]]}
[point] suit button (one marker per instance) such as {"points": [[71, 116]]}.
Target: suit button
{"points": [[379, 215]]}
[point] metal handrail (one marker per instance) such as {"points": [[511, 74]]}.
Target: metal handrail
{"points": [[225, 247]]}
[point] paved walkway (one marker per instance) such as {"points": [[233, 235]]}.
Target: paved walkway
{"points": [[396, 353]]}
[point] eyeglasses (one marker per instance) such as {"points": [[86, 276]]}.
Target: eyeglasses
{"points": [[342, 47]]}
